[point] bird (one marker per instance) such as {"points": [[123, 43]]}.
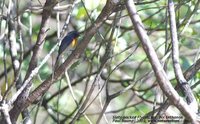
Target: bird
{"points": [[69, 39]]}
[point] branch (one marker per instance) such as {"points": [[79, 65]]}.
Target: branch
{"points": [[161, 76], [41, 89], [192, 70], [4, 110], [175, 57], [42, 34], [20, 97]]}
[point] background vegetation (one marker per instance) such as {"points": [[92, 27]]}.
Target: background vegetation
{"points": [[109, 76]]}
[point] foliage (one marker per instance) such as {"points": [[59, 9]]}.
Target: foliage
{"points": [[126, 64]]}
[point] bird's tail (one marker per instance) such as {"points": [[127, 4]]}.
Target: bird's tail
{"points": [[56, 62]]}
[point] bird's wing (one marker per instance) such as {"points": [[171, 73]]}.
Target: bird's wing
{"points": [[64, 44]]}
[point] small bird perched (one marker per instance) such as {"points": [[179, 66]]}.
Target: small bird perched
{"points": [[69, 39]]}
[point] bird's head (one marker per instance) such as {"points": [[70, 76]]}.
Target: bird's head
{"points": [[73, 34]]}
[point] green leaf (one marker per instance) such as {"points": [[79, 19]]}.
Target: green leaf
{"points": [[81, 13]]}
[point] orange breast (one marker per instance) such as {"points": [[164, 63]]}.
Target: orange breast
{"points": [[74, 42]]}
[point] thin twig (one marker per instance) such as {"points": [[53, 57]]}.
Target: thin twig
{"points": [[160, 74], [175, 57]]}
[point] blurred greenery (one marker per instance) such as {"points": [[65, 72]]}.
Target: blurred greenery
{"points": [[127, 57]]}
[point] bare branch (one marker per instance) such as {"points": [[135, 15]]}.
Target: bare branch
{"points": [[20, 96], [175, 57], [40, 90], [158, 69]]}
